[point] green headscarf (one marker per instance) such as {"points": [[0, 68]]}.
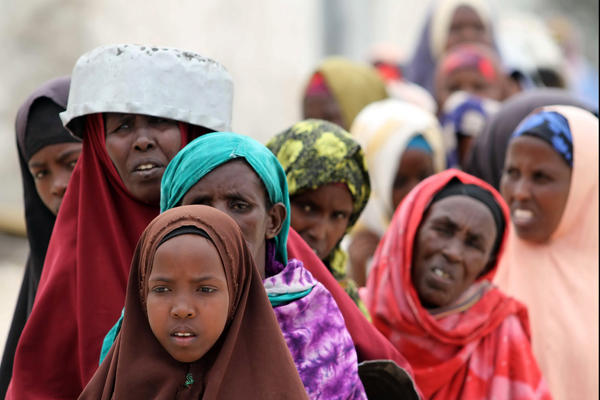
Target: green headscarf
{"points": [[206, 153], [314, 153]]}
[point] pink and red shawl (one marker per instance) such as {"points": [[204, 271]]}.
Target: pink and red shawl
{"points": [[478, 353]]}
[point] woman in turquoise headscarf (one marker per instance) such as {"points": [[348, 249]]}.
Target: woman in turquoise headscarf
{"points": [[242, 178], [329, 188]]}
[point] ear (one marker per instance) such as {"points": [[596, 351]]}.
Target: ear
{"points": [[276, 215]]}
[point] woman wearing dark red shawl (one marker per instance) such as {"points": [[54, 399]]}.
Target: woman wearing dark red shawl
{"points": [[139, 91], [430, 294]]}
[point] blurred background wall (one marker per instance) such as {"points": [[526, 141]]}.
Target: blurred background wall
{"points": [[269, 46]]}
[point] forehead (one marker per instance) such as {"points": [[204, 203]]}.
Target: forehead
{"points": [[465, 14], [235, 174], [535, 151], [463, 211], [184, 246]]}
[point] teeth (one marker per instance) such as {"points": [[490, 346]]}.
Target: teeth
{"points": [[522, 216], [182, 334], [440, 273], [144, 167]]}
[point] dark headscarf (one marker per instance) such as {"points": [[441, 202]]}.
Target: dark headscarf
{"points": [[250, 359], [486, 160], [37, 125]]}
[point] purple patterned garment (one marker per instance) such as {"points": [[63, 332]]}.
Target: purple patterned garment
{"points": [[315, 332]]}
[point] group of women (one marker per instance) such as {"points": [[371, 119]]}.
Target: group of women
{"points": [[345, 259]]}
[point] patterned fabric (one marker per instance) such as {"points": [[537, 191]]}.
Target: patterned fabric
{"points": [[464, 114], [551, 127], [321, 347], [304, 322], [314, 153], [477, 352]]}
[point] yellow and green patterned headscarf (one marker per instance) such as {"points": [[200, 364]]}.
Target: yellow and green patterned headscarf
{"points": [[315, 153]]}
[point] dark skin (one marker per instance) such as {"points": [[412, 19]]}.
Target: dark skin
{"points": [[51, 168], [321, 216], [323, 106], [236, 189], [535, 184], [452, 247], [467, 27]]}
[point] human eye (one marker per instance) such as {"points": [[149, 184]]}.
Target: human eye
{"points": [[71, 164], [443, 229], [239, 205], [340, 215], [474, 242], [160, 289], [40, 174], [541, 177], [207, 289], [512, 172]]}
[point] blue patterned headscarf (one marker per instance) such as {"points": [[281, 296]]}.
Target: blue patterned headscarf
{"points": [[551, 127], [206, 153]]}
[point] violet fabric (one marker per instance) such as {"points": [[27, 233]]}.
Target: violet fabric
{"points": [[322, 348]]}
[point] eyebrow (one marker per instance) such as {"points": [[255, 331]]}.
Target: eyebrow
{"points": [[198, 279], [63, 156]]}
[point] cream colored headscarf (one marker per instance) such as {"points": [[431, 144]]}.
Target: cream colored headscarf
{"points": [[383, 129], [558, 280]]}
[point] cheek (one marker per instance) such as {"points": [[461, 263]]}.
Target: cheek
{"points": [[117, 150], [170, 142]]}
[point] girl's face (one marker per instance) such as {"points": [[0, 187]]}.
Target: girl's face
{"points": [[535, 184], [415, 165], [321, 216], [51, 168], [188, 299], [140, 147]]}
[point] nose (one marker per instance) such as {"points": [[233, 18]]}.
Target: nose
{"points": [[317, 231], [453, 250], [182, 308], [59, 184], [144, 139], [521, 189]]}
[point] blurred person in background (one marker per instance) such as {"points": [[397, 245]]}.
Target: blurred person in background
{"points": [[550, 182], [47, 156], [448, 23], [486, 159], [469, 86], [403, 145], [329, 187], [430, 293], [131, 126], [581, 77], [388, 61], [339, 89]]}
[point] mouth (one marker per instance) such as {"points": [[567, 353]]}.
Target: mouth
{"points": [[147, 166], [182, 336], [442, 275], [522, 217]]}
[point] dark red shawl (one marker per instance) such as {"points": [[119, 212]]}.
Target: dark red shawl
{"points": [[82, 288]]}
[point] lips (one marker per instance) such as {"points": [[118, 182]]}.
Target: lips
{"points": [[442, 274], [146, 165], [182, 334]]}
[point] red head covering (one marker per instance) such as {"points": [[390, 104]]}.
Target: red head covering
{"points": [[471, 56], [481, 352], [82, 287], [250, 359]]}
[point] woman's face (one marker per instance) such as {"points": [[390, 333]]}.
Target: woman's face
{"points": [[236, 189], [466, 27], [51, 168], [468, 80], [452, 247], [535, 184], [188, 299], [321, 216], [323, 106], [415, 165], [140, 148]]}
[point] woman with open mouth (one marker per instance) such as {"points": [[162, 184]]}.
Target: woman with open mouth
{"points": [[133, 107], [430, 294], [550, 182]]}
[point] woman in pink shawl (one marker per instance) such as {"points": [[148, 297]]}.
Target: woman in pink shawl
{"points": [[550, 182]]}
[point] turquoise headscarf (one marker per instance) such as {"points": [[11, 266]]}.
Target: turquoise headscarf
{"points": [[206, 153]]}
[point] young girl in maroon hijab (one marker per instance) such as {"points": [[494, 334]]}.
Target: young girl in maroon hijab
{"points": [[198, 324], [134, 107]]}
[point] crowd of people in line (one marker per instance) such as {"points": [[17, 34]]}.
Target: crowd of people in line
{"points": [[424, 232]]}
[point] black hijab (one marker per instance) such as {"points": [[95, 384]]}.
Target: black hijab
{"points": [[486, 160], [47, 129]]}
